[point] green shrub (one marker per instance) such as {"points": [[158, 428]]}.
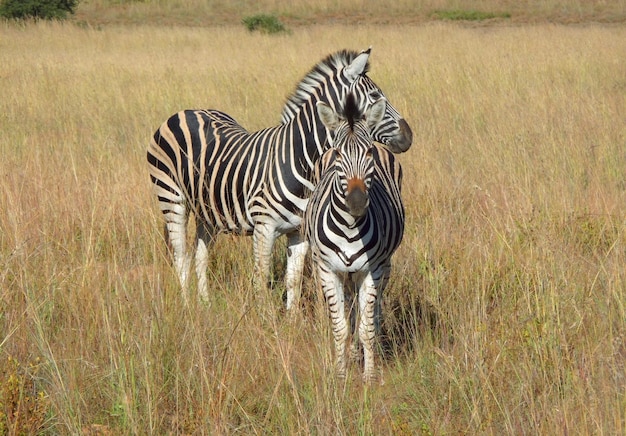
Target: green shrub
{"points": [[36, 9], [468, 15], [264, 23]]}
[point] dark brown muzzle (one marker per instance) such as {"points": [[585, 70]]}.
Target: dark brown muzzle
{"points": [[404, 139], [357, 199]]}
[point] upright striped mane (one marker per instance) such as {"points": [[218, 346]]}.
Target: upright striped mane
{"points": [[326, 68], [351, 111]]}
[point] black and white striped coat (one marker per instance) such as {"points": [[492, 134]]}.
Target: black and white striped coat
{"points": [[354, 222], [202, 162]]}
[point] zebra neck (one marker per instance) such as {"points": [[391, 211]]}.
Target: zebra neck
{"points": [[310, 130]]}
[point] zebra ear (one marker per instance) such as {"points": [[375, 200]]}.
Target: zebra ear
{"points": [[327, 114], [358, 65], [376, 112]]}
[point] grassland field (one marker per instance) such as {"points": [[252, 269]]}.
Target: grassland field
{"points": [[506, 310]]}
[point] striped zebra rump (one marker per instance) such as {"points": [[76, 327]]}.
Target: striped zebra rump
{"points": [[211, 165]]}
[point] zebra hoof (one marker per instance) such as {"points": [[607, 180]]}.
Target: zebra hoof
{"points": [[355, 354], [372, 378], [204, 300]]}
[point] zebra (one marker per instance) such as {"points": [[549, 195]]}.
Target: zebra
{"points": [[354, 222], [202, 162]]}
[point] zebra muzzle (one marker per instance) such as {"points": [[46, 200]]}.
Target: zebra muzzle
{"points": [[405, 138], [357, 199]]}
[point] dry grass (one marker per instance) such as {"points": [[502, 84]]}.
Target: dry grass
{"points": [[506, 309]]}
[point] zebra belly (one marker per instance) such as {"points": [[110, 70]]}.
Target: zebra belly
{"points": [[284, 216]]}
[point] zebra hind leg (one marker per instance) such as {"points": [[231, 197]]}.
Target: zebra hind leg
{"points": [[205, 233], [351, 307], [176, 229], [378, 312]]}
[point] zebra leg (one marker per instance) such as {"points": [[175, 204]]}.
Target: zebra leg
{"points": [[176, 226], [378, 314], [205, 232], [351, 299], [297, 248], [263, 237], [332, 287], [367, 331]]}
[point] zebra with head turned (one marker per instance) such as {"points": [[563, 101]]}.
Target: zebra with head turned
{"points": [[354, 222], [203, 162]]}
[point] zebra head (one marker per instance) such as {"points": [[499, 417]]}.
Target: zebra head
{"points": [[391, 130], [352, 156], [343, 73]]}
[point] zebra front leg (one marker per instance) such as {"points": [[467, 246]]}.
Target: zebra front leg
{"points": [[368, 294], [297, 249], [205, 233], [332, 287]]}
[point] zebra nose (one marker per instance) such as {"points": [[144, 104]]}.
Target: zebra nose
{"points": [[405, 138], [357, 199]]}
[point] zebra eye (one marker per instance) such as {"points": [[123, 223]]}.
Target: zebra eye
{"points": [[375, 95]]}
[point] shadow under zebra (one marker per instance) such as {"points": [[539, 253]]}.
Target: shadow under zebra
{"points": [[407, 320]]}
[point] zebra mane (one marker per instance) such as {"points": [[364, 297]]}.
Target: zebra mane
{"points": [[327, 67], [351, 110]]}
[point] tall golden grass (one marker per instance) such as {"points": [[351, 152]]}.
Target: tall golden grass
{"points": [[506, 309]]}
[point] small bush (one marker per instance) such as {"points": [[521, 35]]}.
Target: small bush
{"points": [[36, 9], [264, 23], [468, 15]]}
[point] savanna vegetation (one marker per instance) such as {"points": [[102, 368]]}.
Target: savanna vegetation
{"points": [[507, 305]]}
